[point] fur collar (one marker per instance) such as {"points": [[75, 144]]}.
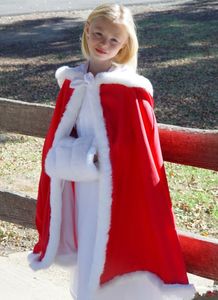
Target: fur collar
{"points": [[116, 75]]}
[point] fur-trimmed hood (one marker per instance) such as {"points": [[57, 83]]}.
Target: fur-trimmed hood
{"points": [[117, 75]]}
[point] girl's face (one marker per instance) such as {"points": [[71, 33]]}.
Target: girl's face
{"points": [[105, 39]]}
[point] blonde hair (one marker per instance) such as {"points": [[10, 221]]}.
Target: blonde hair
{"points": [[122, 15]]}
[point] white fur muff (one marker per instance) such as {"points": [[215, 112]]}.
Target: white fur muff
{"points": [[72, 159]]}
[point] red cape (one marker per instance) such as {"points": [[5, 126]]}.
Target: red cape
{"points": [[139, 232]]}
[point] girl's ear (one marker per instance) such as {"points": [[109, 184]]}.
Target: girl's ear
{"points": [[87, 25]]}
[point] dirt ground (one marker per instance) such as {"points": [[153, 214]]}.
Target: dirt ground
{"points": [[178, 53]]}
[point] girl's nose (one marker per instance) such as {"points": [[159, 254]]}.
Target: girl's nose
{"points": [[104, 42]]}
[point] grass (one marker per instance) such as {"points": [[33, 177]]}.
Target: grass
{"points": [[20, 163], [194, 194]]}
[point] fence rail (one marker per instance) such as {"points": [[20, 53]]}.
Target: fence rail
{"points": [[193, 147], [17, 209], [188, 146]]}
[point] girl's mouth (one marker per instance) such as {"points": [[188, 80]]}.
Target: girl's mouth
{"points": [[100, 51]]}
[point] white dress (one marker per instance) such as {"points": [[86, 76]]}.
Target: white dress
{"points": [[86, 202]]}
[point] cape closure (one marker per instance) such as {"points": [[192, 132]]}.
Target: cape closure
{"points": [[119, 75]]}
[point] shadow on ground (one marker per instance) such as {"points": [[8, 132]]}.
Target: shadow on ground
{"points": [[178, 53], [31, 51]]}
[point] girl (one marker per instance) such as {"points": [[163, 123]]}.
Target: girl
{"points": [[103, 202]]}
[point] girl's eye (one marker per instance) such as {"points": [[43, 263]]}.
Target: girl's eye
{"points": [[114, 40], [98, 34]]}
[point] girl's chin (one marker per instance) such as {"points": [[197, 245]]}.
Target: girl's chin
{"points": [[101, 56], [100, 59]]}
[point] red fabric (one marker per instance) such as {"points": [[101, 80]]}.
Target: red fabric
{"points": [[142, 235], [43, 199]]}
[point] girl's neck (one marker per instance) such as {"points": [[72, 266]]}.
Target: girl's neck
{"points": [[98, 67]]}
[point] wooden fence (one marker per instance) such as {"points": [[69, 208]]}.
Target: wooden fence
{"points": [[193, 147]]}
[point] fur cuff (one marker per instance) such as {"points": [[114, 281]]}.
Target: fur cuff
{"points": [[72, 159]]}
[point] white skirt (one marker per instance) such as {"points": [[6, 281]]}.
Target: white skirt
{"points": [[87, 207]]}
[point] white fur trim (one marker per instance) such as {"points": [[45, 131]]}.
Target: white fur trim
{"points": [[120, 75], [65, 260], [69, 117], [55, 222], [53, 155], [61, 75], [64, 129], [33, 259], [127, 78], [105, 193], [72, 159], [143, 286], [65, 72]]}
